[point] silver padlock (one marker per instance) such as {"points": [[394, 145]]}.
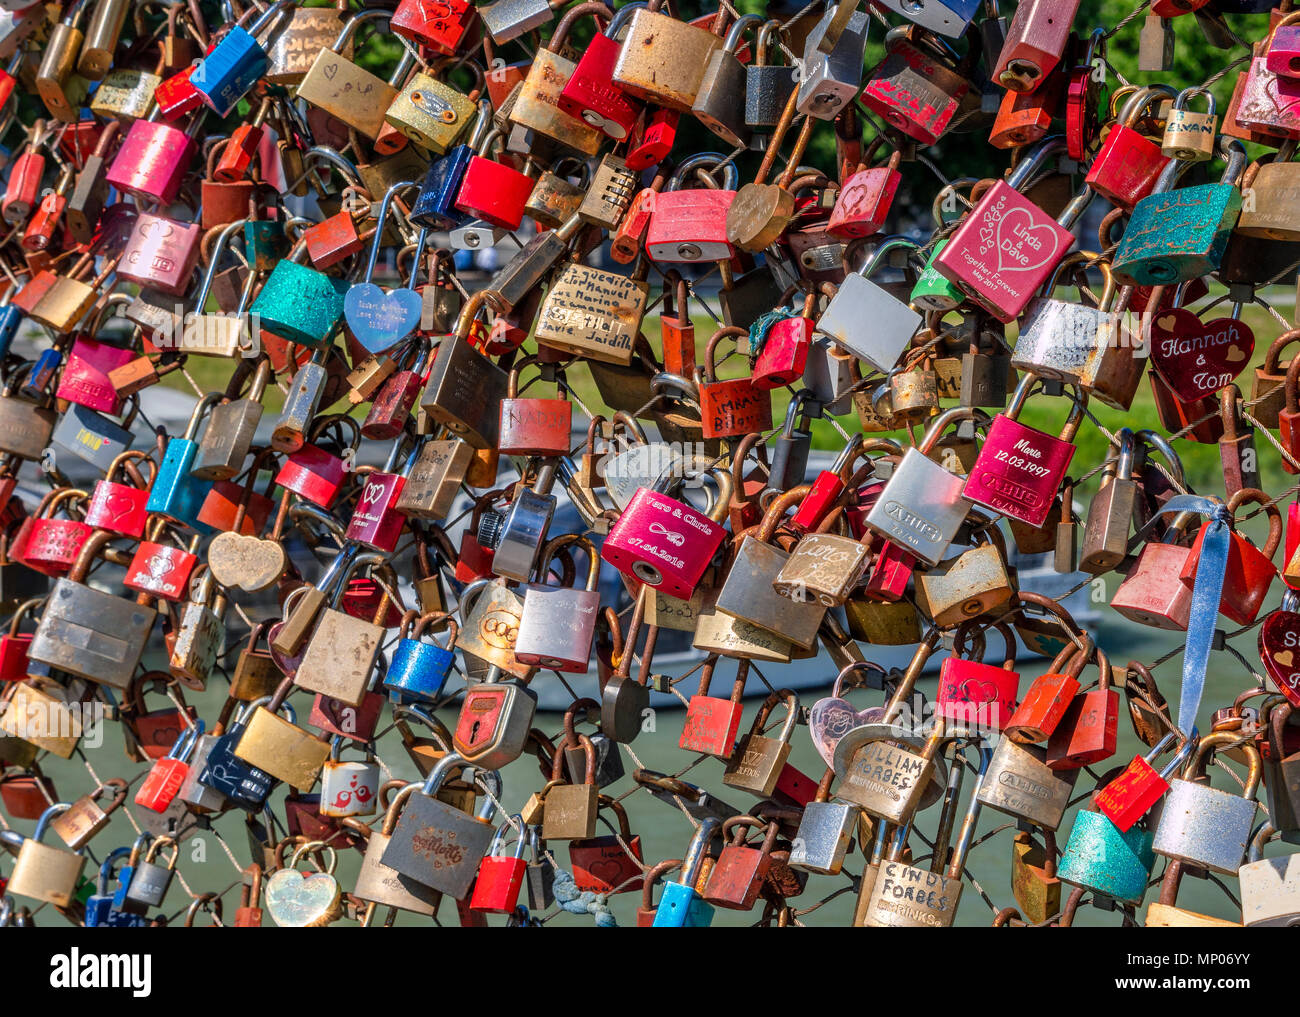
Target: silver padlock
{"points": [[825, 831], [867, 321], [1201, 825], [1020, 784], [921, 507], [831, 80]]}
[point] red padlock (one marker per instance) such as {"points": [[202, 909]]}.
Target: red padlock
{"points": [[1249, 572], [1129, 797], [1127, 165], [336, 717], [1049, 696], [890, 573], [1288, 418], [442, 25], [51, 545], [492, 191], [392, 404], [974, 695], [161, 570], [1087, 732], [604, 864], [501, 877], [711, 722], [534, 427], [783, 349], [590, 94], [315, 473], [734, 407], [164, 780], [865, 199], [737, 876], [15, 643], [691, 225], [652, 138], [120, 506], [915, 93]]}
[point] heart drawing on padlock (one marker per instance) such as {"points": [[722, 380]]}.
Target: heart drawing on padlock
{"points": [[240, 562], [1197, 358], [380, 320], [830, 719], [298, 900], [1279, 637], [1024, 247]]}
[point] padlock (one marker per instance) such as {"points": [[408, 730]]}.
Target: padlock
{"points": [[908, 896], [998, 263], [1019, 469], [859, 301], [90, 633], [1200, 825], [348, 788], [1163, 246], [975, 695], [1267, 894], [1188, 134], [922, 504], [163, 782], [756, 764], [44, 872], [558, 622], [433, 843], [916, 93]]}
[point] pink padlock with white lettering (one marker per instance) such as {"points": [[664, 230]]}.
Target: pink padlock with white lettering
{"points": [[666, 543], [975, 695], [375, 522], [1020, 469], [1007, 246]]}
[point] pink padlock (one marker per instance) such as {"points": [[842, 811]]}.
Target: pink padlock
{"points": [[375, 521], [85, 375], [1019, 468], [864, 200], [1284, 52], [161, 254], [1007, 246], [153, 159], [666, 543]]}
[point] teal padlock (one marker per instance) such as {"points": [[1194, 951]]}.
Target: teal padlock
{"points": [[1178, 235], [299, 304]]}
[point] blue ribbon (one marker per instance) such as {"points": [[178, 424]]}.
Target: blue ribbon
{"points": [[1206, 594]]}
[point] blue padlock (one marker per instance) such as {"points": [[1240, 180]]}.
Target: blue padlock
{"points": [[419, 670], [434, 207], [225, 75], [680, 906], [45, 367], [11, 319], [174, 493], [100, 903]]}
